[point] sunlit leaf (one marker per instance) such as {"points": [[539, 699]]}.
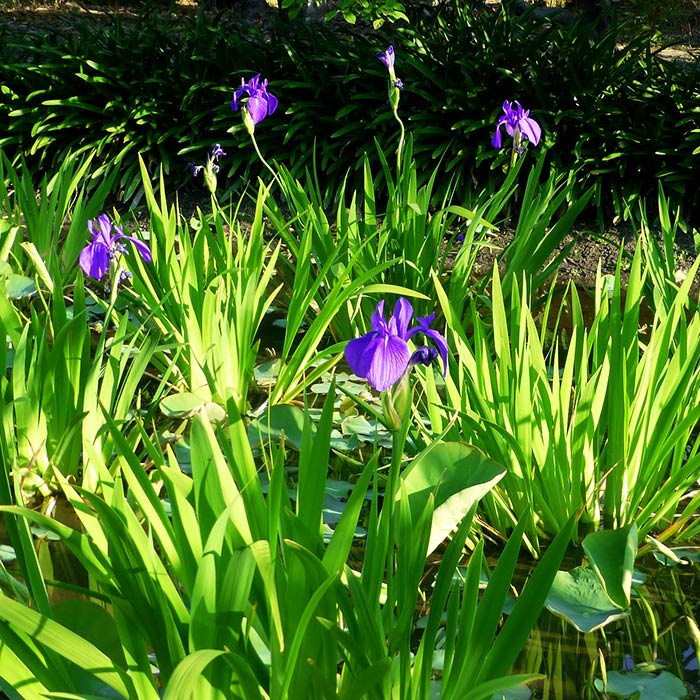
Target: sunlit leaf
{"points": [[611, 554], [458, 475], [579, 597]]}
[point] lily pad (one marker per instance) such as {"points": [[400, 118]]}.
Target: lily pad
{"points": [[611, 554], [266, 373], [186, 405], [19, 286], [642, 686], [579, 597], [280, 421], [7, 553]]}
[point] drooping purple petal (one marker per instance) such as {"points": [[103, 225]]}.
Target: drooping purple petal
{"points": [[390, 357], [142, 248], [437, 338], [497, 140], [441, 343], [257, 108], [359, 353], [94, 260], [531, 129]]}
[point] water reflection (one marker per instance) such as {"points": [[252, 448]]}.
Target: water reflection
{"points": [[660, 634]]}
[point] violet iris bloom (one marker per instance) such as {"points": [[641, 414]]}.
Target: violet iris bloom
{"points": [[382, 356], [388, 58], [260, 102], [518, 123], [96, 256]]}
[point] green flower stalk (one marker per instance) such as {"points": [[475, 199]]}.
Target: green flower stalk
{"points": [[388, 58]]}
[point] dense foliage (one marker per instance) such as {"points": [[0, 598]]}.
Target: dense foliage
{"points": [[293, 443], [616, 114]]}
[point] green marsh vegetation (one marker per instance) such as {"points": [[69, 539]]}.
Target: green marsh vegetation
{"points": [[188, 517]]}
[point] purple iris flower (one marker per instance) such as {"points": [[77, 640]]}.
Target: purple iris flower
{"points": [[387, 57], [260, 103], [518, 123], [105, 245], [382, 356]]}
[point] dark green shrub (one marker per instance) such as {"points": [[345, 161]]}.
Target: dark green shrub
{"points": [[617, 116]]}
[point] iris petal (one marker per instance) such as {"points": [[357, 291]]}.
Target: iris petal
{"points": [[390, 359], [531, 129], [257, 108], [378, 320], [142, 248], [382, 356], [358, 353], [403, 312], [272, 102], [441, 343], [497, 139], [94, 260]]}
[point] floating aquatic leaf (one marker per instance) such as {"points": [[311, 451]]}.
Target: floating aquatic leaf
{"points": [[611, 554], [343, 443], [19, 286], [266, 373], [186, 405], [642, 686], [282, 420], [579, 597], [7, 553], [520, 692]]}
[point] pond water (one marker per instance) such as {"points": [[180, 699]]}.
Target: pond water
{"points": [[659, 635]]}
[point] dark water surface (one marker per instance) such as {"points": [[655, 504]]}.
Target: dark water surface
{"points": [[662, 627]]}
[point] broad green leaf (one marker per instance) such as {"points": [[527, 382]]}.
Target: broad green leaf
{"points": [[93, 623], [63, 641], [579, 597], [642, 686], [458, 476], [506, 688], [185, 680], [611, 554]]}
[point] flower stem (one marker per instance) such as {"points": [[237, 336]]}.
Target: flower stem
{"points": [[264, 162], [402, 139], [398, 443]]}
